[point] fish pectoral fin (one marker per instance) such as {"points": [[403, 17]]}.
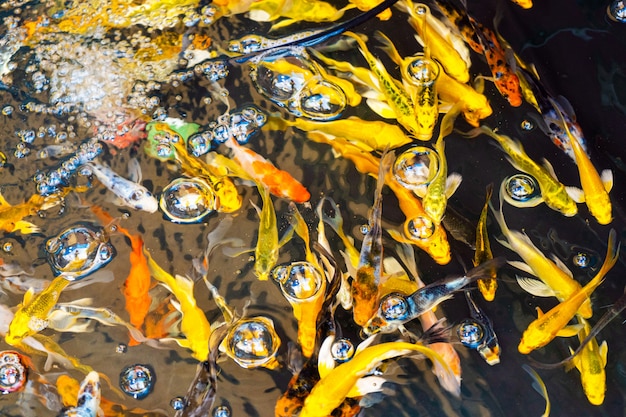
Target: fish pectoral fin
{"points": [[25, 227], [575, 194], [607, 179], [535, 287], [539, 312], [367, 385], [381, 108], [574, 363], [604, 351], [325, 360], [569, 331], [420, 190], [561, 265], [452, 183], [522, 266], [548, 166]]}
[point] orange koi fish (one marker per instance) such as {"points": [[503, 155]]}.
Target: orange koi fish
{"points": [[138, 282], [11, 216], [278, 182]]}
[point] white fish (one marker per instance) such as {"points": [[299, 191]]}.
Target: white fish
{"points": [[131, 193], [88, 398]]}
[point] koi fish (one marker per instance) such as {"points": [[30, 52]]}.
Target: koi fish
{"points": [[553, 193], [88, 401], [438, 40], [473, 104], [294, 11], [487, 286], [595, 192], [547, 326], [485, 41], [591, 363], [32, 315], [418, 229], [614, 310], [369, 270], [138, 282], [407, 308], [524, 4], [488, 347], [266, 252], [442, 186], [194, 324], [372, 135], [342, 381], [396, 97], [365, 5], [278, 182], [132, 194], [558, 280], [11, 217]]}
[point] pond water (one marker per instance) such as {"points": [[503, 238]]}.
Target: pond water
{"points": [[96, 72]]}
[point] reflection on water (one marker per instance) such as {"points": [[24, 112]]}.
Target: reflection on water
{"points": [[80, 82]]}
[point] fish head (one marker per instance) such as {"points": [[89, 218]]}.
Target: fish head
{"points": [[491, 354], [144, 200], [594, 386]]}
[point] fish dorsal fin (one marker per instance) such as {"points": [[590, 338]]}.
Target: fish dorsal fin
{"points": [[566, 107], [522, 267], [575, 194], [569, 331], [561, 265], [604, 351], [134, 170], [535, 287], [548, 166], [607, 179], [452, 183], [28, 296], [3, 202], [539, 312]]}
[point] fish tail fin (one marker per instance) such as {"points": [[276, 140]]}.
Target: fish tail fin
{"points": [[25, 227], [437, 333], [612, 254], [388, 47]]}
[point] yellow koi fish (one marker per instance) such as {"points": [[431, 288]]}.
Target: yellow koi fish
{"points": [[553, 323], [294, 11], [435, 199], [395, 95], [341, 381], [553, 193], [438, 40], [595, 192], [418, 229], [369, 270], [371, 135], [11, 217], [487, 286], [365, 5], [591, 362], [558, 280], [194, 324], [266, 252], [32, 314]]}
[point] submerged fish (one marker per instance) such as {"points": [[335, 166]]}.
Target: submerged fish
{"points": [[553, 323], [88, 401], [487, 286]]}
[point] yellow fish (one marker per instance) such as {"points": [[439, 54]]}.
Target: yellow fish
{"points": [[553, 323], [558, 280], [395, 95], [438, 40], [487, 286], [341, 381], [194, 324], [595, 192], [294, 11], [266, 252], [553, 193], [11, 216], [371, 135], [32, 314], [591, 362]]}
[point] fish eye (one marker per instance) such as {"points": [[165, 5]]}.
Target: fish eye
{"points": [[137, 195], [394, 307]]}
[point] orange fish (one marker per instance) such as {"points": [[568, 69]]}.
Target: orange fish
{"points": [[138, 282], [280, 183]]}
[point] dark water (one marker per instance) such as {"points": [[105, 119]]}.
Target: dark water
{"points": [[579, 53]]}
